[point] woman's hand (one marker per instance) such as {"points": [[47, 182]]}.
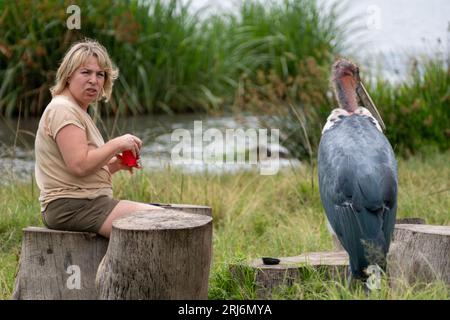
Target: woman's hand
{"points": [[129, 142], [116, 164]]}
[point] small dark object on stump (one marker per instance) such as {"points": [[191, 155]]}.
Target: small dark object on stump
{"points": [[270, 261]]}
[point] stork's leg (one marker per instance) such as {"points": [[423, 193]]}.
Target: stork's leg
{"points": [[350, 279], [367, 289], [354, 280]]}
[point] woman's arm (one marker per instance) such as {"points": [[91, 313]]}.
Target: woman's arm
{"points": [[82, 160]]}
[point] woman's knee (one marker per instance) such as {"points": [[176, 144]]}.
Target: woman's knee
{"points": [[122, 209], [127, 206]]}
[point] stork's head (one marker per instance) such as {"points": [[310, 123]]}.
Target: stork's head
{"points": [[344, 68], [345, 78]]}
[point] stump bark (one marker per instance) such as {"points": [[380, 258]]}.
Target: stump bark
{"points": [[58, 264], [420, 253], [290, 270], [157, 254]]}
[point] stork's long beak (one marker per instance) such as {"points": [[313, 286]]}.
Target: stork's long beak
{"points": [[368, 103]]}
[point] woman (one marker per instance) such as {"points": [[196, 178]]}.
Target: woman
{"points": [[73, 164]]}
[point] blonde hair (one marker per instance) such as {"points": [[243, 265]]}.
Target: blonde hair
{"points": [[77, 56]]}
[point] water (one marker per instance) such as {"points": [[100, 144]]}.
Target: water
{"points": [[17, 141], [16, 148], [388, 25], [389, 33]]}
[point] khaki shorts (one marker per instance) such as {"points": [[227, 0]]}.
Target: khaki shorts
{"points": [[78, 214]]}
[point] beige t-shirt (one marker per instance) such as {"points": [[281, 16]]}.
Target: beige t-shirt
{"points": [[52, 176]]}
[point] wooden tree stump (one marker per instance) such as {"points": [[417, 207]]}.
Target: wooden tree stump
{"points": [[420, 253], [58, 264], [268, 278], [337, 246], [157, 254], [290, 270]]}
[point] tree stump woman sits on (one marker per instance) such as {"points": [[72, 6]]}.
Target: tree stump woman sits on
{"points": [[73, 163]]}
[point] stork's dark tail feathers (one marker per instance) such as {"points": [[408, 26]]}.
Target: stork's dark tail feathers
{"points": [[364, 241]]}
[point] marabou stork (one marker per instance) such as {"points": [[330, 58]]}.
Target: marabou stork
{"points": [[357, 175]]}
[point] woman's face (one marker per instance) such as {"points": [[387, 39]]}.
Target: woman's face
{"points": [[86, 82]]}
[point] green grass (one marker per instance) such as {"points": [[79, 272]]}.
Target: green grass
{"points": [[417, 110], [254, 216]]}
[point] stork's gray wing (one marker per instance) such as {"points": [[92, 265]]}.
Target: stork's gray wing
{"points": [[358, 186]]}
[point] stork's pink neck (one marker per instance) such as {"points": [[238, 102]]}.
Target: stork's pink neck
{"points": [[346, 93]]}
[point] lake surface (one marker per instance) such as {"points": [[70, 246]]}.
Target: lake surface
{"points": [[387, 25], [394, 33], [388, 33], [17, 141]]}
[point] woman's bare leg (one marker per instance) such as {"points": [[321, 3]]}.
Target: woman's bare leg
{"points": [[123, 208]]}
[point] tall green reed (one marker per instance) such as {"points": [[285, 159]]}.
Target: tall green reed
{"points": [[417, 110], [170, 59]]}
